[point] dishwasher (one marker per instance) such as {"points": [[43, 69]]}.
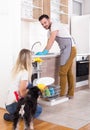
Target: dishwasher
{"points": [[51, 95]]}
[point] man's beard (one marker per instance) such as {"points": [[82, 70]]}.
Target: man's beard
{"points": [[49, 26]]}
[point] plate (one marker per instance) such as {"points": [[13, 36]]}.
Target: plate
{"points": [[45, 80]]}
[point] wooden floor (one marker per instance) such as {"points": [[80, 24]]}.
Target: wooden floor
{"points": [[38, 125]]}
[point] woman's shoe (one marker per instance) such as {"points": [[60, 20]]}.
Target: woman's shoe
{"points": [[8, 117]]}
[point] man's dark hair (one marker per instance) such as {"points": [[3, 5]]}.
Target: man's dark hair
{"points": [[43, 16]]}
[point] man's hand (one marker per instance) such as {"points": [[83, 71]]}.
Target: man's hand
{"points": [[44, 52]]}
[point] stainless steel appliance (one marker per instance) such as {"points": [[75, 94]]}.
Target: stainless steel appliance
{"points": [[82, 68]]}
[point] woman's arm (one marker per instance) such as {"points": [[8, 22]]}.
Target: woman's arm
{"points": [[23, 88]]}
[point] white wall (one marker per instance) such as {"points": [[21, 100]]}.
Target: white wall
{"points": [[24, 34], [38, 33], [86, 7], [9, 42]]}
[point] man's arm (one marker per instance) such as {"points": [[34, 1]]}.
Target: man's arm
{"points": [[51, 39], [49, 43]]}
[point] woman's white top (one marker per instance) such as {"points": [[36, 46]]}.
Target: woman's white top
{"points": [[14, 87]]}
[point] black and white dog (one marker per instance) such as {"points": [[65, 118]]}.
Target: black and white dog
{"points": [[26, 108]]}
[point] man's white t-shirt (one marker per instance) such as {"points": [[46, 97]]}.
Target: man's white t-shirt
{"points": [[62, 31]]}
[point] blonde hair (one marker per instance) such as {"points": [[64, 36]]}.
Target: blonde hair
{"points": [[23, 62]]}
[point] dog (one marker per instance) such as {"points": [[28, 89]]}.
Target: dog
{"points": [[26, 109]]}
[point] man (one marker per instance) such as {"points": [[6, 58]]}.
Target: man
{"points": [[60, 34]]}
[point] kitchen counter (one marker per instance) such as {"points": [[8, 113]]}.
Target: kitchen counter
{"points": [[47, 56]]}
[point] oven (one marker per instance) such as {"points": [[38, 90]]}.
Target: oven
{"points": [[82, 70]]}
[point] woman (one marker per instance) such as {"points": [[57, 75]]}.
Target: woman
{"points": [[20, 78]]}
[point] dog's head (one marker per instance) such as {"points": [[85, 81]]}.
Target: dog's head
{"points": [[34, 92]]}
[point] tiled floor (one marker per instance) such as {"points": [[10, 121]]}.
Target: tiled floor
{"points": [[74, 113]]}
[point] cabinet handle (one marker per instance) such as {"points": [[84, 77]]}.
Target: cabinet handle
{"points": [[84, 62]]}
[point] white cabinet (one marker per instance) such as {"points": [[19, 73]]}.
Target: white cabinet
{"points": [[31, 9], [37, 8], [64, 11], [59, 10], [56, 9], [26, 9]]}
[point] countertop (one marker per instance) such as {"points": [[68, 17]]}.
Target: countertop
{"points": [[47, 56]]}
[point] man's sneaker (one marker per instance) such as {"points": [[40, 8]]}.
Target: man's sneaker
{"points": [[8, 117], [70, 97]]}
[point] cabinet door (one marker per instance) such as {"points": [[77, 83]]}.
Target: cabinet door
{"points": [[64, 11], [37, 8], [31, 9], [46, 7], [41, 7], [59, 10]]}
